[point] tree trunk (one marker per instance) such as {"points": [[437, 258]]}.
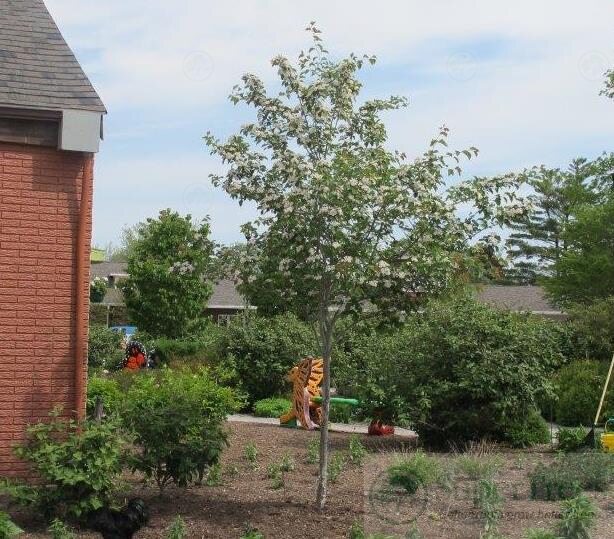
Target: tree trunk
{"points": [[327, 337]]}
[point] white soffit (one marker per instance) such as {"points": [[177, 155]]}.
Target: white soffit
{"points": [[80, 131]]}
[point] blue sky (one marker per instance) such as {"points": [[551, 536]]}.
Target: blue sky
{"points": [[518, 80]]}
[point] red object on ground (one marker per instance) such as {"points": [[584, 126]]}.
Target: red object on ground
{"points": [[377, 428]]}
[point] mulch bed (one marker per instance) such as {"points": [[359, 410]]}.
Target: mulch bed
{"points": [[246, 496]]}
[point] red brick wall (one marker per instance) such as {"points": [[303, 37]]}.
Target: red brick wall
{"points": [[40, 190]]}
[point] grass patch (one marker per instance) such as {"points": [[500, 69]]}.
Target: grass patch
{"points": [[415, 471], [271, 407]]}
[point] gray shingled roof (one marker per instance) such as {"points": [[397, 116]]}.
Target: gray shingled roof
{"points": [[226, 296], [37, 68], [105, 269], [517, 298]]}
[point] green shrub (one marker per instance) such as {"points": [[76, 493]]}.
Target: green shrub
{"points": [[287, 463], [8, 528], [527, 431], [201, 347], [411, 473], [263, 350], [78, 463], [108, 390], [272, 407], [554, 483], [458, 370], [177, 418], [177, 529], [98, 289], [104, 348], [59, 530], [570, 474], [578, 389], [577, 518], [251, 533], [571, 439]]}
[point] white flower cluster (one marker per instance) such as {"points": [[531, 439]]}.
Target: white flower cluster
{"points": [[181, 268]]}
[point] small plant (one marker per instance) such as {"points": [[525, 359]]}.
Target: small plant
{"points": [[177, 529], [287, 463], [357, 531], [232, 471], [357, 451], [490, 503], [577, 518], [336, 465], [413, 532], [250, 453], [553, 483], [571, 439], [8, 528], [538, 533], [59, 530], [214, 475], [476, 468], [271, 407], [276, 474], [414, 472], [313, 451], [250, 532]]}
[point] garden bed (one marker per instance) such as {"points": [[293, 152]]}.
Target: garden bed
{"points": [[246, 495]]}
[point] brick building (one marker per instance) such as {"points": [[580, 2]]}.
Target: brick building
{"points": [[50, 128]]}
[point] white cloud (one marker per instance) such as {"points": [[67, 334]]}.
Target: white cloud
{"points": [[158, 63]]}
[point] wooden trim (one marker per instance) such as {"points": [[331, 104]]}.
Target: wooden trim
{"points": [[30, 114], [35, 131]]}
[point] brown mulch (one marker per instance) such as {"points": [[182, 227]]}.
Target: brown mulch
{"points": [[245, 496]]}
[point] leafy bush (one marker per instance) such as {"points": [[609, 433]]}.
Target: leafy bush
{"points": [[553, 483], [250, 453], [571, 439], [458, 370], [98, 289], [313, 451], [8, 529], [263, 350], [271, 407], [569, 475], [108, 390], [200, 347], [592, 328], [78, 464], [104, 348], [177, 418], [527, 431], [578, 389], [577, 518], [251, 533], [411, 473]]}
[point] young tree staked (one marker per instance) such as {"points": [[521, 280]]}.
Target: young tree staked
{"points": [[344, 221]]}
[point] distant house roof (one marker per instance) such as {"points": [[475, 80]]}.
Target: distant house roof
{"points": [[518, 298], [109, 269], [37, 68], [225, 294]]}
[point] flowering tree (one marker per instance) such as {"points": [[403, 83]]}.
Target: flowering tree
{"points": [[608, 91], [345, 222], [168, 267]]}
